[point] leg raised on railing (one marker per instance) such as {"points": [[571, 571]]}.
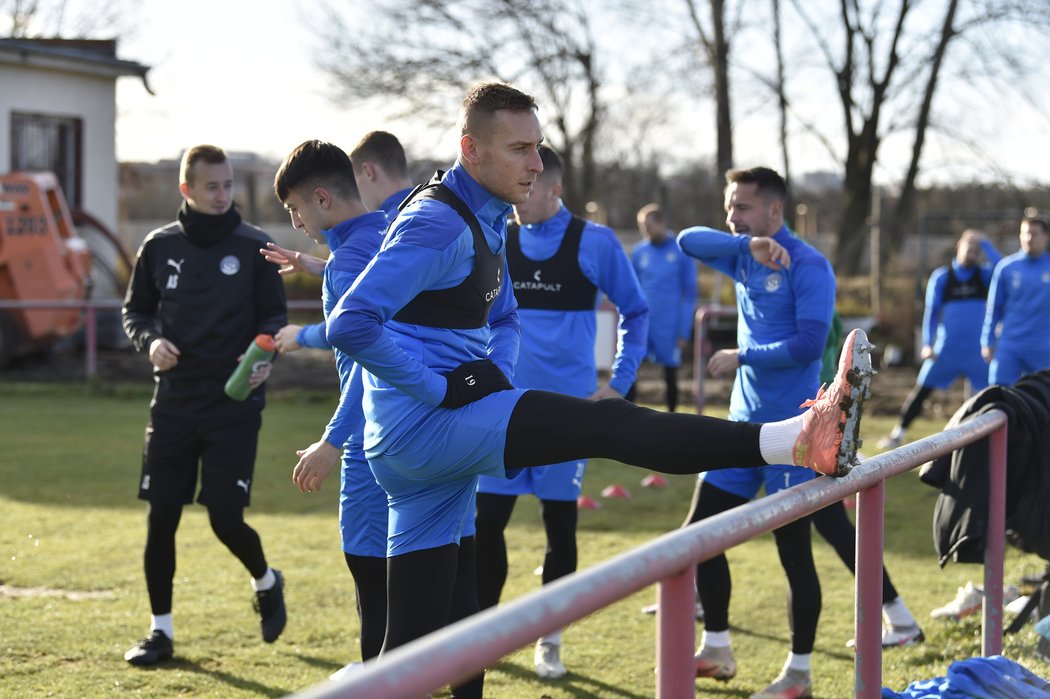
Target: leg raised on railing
{"points": [[994, 545]]}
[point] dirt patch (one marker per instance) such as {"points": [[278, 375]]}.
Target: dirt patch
{"points": [[74, 595]]}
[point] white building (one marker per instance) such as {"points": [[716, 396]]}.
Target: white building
{"points": [[58, 113]]}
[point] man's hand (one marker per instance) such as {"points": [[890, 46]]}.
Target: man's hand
{"points": [[927, 353], [285, 339], [260, 372], [315, 463], [605, 391], [723, 362], [473, 381], [987, 353], [291, 261], [770, 253], [163, 354]]}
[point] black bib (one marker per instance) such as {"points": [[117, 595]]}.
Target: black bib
{"points": [[958, 290], [557, 283], [467, 305]]}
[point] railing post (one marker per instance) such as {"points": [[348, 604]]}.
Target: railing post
{"points": [[90, 341], [867, 625], [676, 636], [994, 545]]}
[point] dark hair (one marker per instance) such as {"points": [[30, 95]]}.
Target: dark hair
{"points": [[485, 99], [1036, 221], [770, 185], [551, 162], [212, 155], [316, 164], [384, 149]]}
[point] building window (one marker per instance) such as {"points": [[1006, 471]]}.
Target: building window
{"points": [[42, 142]]}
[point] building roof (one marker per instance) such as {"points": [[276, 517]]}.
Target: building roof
{"points": [[85, 56]]}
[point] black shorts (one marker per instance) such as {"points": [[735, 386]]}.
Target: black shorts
{"points": [[224, 447]]}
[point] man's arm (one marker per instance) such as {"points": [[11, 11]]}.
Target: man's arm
{"points": [[604, 262], [993, 313], [505, 339], [814, 285], [397, 274]]}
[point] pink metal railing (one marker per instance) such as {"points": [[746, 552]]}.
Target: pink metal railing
{"points": [[463, 649], [701, 322], [91, 307]]}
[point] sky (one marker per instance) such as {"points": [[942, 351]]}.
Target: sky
{"points": [[235, 73], [238, 73]]}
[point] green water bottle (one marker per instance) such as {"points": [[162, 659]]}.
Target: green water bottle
{"points": [[262, 349]]}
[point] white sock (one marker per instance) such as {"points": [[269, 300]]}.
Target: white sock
{"points": [[267, 581], [776, 440], [897, 432], [553, 638], [798, 661], [715, 639], [162, 622], [897, 613]]}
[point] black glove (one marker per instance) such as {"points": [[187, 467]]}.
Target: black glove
{"points": [[473, 381]]}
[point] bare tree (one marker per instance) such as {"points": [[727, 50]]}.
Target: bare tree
{"points": [[426, 53], [78, 19], [714, 46]]}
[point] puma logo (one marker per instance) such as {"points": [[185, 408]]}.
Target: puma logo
{"points": [[244, 484], [176, 265]]}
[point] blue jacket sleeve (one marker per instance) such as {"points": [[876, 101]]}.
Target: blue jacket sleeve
{"points": [[604, 262], [687, 271], [312, 336], [814, 287], [347, 412], [993, 310], [934, 301], [394, 277], [714, 248]]}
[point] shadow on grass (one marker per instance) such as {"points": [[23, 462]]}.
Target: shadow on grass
{"points": [[241, 683], [573, 684]]}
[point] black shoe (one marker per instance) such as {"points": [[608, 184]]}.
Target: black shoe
{"points": [[270, 606], [152, 650]]}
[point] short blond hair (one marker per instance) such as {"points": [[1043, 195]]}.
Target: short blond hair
{"points": [[209, 154]]}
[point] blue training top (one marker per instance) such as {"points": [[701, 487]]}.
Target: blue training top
{"points": [[428, 247], [1020, 300], [668, 280], [784, 317], [557, 347], [954, 326]]}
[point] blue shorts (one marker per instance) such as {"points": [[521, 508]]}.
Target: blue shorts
{"points": [[555, 482], [430, 470], [942, 371], [746, 482], [1009, 364], [362, 508]]}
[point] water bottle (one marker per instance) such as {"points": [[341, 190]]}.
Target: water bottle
{"points": [[261, 350]]}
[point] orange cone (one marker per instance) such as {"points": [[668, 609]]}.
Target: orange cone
{"points": [[654, 480], [587, 503], [616, 491]]}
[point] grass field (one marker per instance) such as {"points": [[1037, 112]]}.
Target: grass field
{"points": [[72, 531]]}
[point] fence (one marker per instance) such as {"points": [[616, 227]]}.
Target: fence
{"points": [[461, 650], [91, 307]]}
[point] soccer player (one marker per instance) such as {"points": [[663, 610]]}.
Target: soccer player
{"points": [[433, 322], [784, 314], [316, 185], [1015, 338], [668, 279], [559, 264], [951, 327], [198, 295]]}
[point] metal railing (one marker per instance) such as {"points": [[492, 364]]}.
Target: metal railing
{"points": [[463, 649], [90, 309], [701, 323]]}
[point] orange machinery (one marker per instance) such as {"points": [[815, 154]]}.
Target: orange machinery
{"points": [[42, 258]]}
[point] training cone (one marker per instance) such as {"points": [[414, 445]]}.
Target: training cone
{"points": [[616, 491], [585, 502], [654, 480]]}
